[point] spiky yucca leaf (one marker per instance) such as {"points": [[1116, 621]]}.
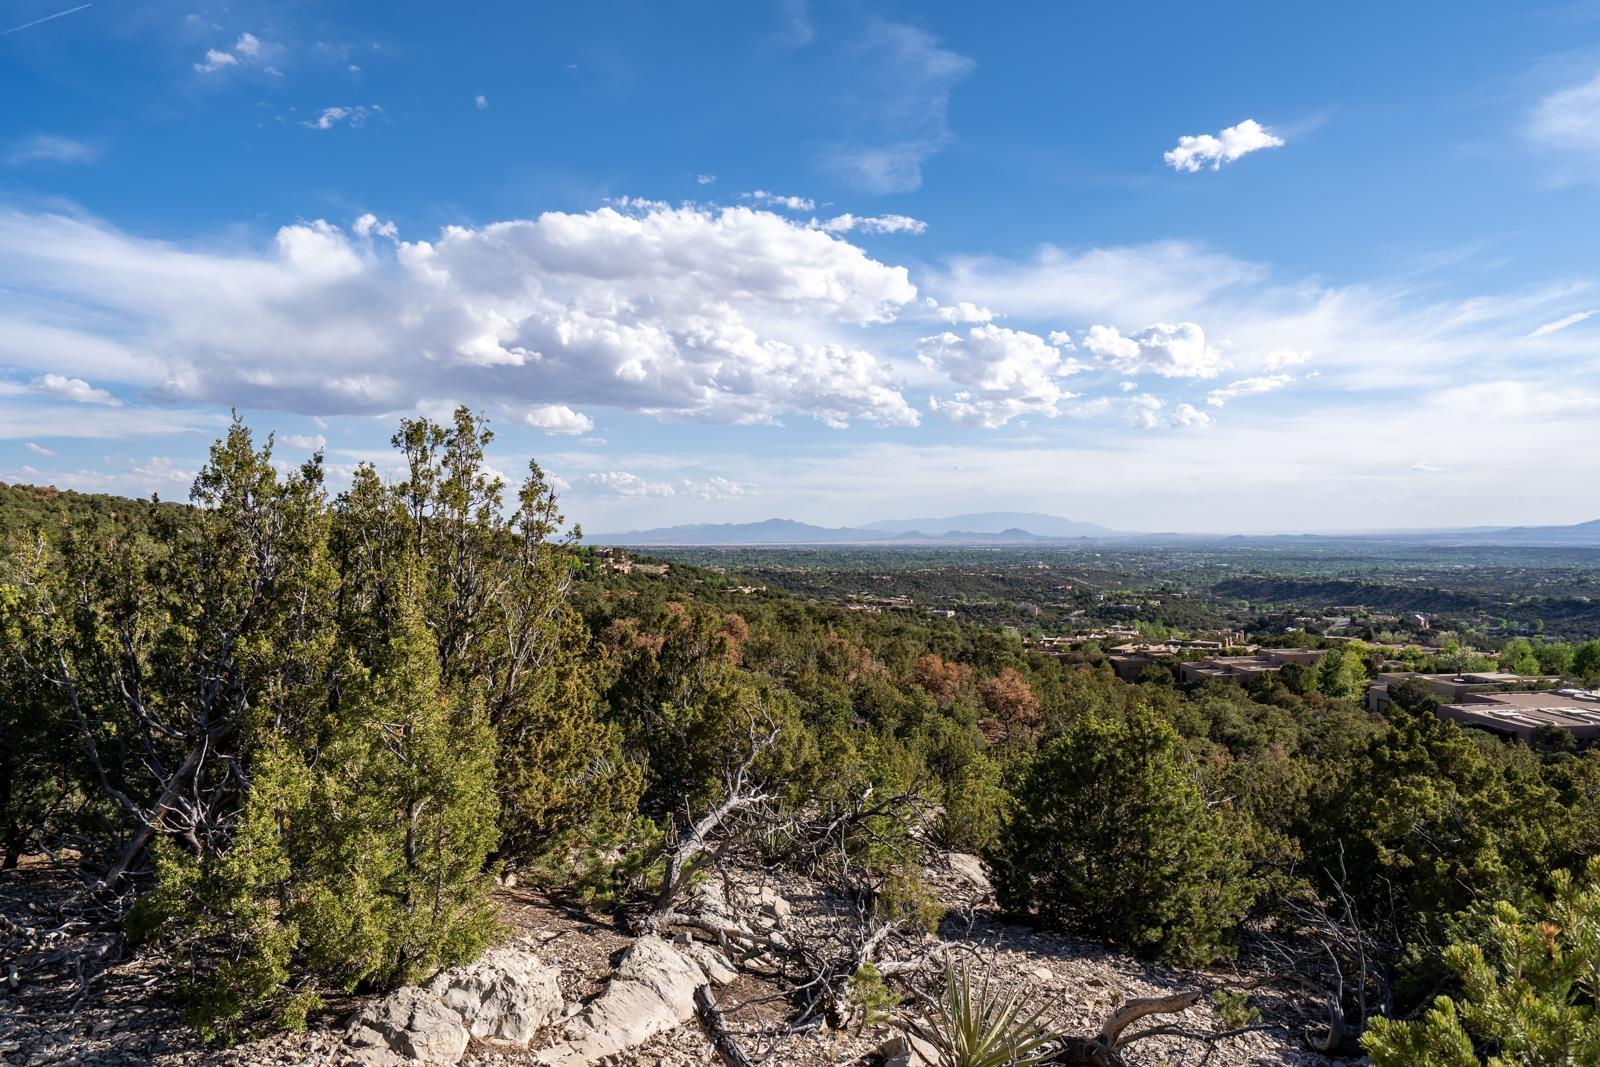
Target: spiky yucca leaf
{"points": [[990, 1026]]}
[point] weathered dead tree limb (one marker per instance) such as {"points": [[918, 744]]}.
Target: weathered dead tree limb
{"points": [[1105, 1048], [1134, 1010], [708, 837], [722, 1038]]}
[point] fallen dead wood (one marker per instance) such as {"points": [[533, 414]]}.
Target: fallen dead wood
{"points": [[722, 1039]]}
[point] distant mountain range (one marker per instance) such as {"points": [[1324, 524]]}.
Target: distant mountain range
{"points": [[789, 532], [1025, 528], [993, 522]]}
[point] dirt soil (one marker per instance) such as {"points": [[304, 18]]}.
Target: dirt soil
{"points": [[74, 993]]}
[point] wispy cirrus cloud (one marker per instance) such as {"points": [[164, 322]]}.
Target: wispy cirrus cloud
{"points": [[901, 115], [49, 148], [1568, 121], [1562, 323], [1247, 387]]}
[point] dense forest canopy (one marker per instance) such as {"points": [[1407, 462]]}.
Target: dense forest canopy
{"points": [[298, 733]]}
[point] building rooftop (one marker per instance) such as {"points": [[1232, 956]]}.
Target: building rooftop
{"points": [[1553, 713]]}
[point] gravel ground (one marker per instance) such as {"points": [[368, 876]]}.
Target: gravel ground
{"points": [[81, 997]]}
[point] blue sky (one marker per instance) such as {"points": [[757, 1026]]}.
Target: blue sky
{"points": [[1160, 266]]}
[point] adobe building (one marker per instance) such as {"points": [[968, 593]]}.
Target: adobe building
{"points": [[1242, 670]]}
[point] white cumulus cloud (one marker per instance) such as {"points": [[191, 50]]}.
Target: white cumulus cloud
{"points": [[727, 315], [627, 484], [558, 419], [215, 61], [74, 389], [1149, 413], [1207, 150], [624, 483], [967, 311], [1172, 351], [248, 49], [1003, 374]]}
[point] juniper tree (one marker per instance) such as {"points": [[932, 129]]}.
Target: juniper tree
{"points": [[1109, 835]]}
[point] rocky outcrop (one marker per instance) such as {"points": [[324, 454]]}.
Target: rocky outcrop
{"points": [[506, 995], [652, 991], [409, 1026], [970, 869]]}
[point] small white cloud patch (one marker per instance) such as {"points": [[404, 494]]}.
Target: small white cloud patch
{"points": [[1247, 387], [248, 49], [1207, 150], [847, 223], [558, 419], [215, 61], [788, 203], [354, 117], [75, 389]]}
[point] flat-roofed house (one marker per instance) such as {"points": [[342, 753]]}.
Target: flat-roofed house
{"points": [[1242, 670]]}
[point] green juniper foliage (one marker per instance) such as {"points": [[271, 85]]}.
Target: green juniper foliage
{"points": [[1111, 836], [1528, 992], [309, 729]]}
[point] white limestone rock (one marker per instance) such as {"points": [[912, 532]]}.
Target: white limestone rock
{"points": [[651, 992], [409, 1025], [508, 994]]}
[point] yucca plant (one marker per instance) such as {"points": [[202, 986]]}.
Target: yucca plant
{"points": [[987, 1026]]}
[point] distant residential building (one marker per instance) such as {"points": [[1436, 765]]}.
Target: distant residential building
{"points": [[1242, 670], [1520, 715], [1453, 688]]}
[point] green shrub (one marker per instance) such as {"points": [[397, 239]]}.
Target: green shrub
{"points": [[1528, 992], [871, 996], [1110, 836]]}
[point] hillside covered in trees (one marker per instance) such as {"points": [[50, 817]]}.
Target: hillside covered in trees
{"points": [[295, 739]]}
